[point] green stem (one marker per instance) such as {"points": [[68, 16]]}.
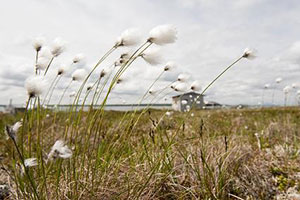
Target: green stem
{"points": [[63, 94], [212, 82], [36, 60], [50, 88], [49, 65]]}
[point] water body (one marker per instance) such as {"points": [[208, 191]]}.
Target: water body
{"points": [[115, 107]]}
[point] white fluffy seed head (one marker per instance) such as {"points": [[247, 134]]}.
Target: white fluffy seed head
{"points": [[163, 34], [16, 126], [13, 130], [169, 113], [170, 66], [62, 69], [45, 52], [35, 85], [152, 92], [120, 80], [126, 55], [123, 59], [286, 89], [38, 43], [119, 62], [152, 56], [129, 37], [196, 86], [183, 77], [42, 63], [89, 86], [266, 86], [30, 162], [79, 75], [78, 58], [278, 80], [72, 94], [294, 85], [173, 85], [249, 53], [105, 71], [58, 47], [181, 87], [59, 149]]}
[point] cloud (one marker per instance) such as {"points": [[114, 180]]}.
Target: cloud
{"points": [[211, 35]]}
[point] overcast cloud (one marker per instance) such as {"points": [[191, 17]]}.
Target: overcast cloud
{"points": [[211, 34]]}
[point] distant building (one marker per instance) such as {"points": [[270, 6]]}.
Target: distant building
{"points": [[185, 102], [10, 109]]}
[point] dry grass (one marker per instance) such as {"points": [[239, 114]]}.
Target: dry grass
{"points": [[213, 155]]}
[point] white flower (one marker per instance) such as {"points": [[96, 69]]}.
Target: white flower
{"points": [[181, 87], [58, 47], [286, 89], [152, 56], [42, 63], [129, 37], [78, 58], [30, 162], [163, 34], [35, 85], [62, 69], [79, 75], [278, 80], [170, 66], [183, 77], [266, 86], [38, 43], [249, 53], [59, 149], [195, 86]]}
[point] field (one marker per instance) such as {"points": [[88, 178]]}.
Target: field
{"points": [[210, 154]]}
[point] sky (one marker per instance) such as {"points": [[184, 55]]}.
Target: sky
{"points": [[211, 35]]}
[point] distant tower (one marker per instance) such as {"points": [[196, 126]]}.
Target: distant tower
{"points": [[10, 108]]}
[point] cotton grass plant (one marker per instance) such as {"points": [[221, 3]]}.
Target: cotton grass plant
{"points": [[79, 155]]}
